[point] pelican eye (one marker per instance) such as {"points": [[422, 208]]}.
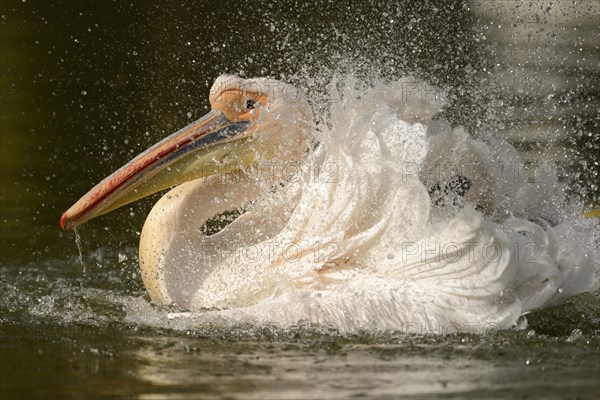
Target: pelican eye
{"points": [[250, 104]]}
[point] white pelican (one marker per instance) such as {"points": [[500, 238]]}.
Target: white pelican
{"points": [[391, 221]]}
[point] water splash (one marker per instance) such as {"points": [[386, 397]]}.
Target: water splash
{"points": [[80, 250]]}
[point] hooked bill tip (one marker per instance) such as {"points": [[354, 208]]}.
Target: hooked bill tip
{"points": [[64, 221]]}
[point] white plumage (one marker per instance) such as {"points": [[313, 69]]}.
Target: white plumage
{"points": [[354, 235]]}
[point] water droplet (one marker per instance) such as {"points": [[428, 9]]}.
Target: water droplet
{"points": [[80, 249], [575, 336]]}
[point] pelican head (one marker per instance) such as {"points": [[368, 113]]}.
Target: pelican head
{"points": [[251, 121]]}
